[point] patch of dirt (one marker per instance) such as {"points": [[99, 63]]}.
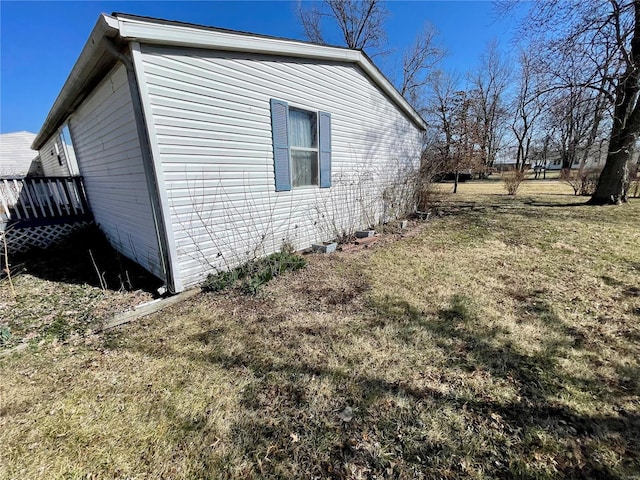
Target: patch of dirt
{"points": [[59, 294]]}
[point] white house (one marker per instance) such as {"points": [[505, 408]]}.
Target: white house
{"points": [[202, 147], [16, 156]]}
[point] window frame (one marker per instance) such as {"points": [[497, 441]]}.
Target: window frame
{"points": [[281, 134], [293, 148]]}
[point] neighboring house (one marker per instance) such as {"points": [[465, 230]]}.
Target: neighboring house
{"points": [[202, 147], [595, 158], [506, 159], [16, 157]]}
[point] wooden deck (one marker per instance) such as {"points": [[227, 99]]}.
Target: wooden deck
{"points": [[39, 201]]}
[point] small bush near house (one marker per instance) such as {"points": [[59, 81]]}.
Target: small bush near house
{"points": [[255, 273], [583, 181], [512, 181]]}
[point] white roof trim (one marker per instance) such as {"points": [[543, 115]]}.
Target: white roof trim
{"points": [[194, 36], [105, 27]]}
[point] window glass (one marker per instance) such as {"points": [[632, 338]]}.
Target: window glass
{"points": [[65, 137], [304, 167], [303, 128], [303, 140]]}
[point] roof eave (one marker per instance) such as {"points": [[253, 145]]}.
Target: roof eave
{"points": [[184, 35], [80, 76], [127, 28]]}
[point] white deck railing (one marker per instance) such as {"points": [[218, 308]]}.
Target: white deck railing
{"points": [[41, 199]]}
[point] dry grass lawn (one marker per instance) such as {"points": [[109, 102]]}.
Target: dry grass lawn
{"points": [[500, 340]]}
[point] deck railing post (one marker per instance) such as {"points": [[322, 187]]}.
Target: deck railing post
{"points": [[16, 201], [46, 191], [82, 194]]}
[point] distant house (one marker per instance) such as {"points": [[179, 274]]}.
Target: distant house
{"points": [[16, 157], [200, 147], [595, 159]]}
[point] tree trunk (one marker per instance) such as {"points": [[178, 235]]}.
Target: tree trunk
{"points": [[455, 183], [614, 179]]}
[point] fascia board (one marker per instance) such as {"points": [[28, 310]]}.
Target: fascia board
{"points": [[192, 37], [180, 35], [92, 51]]}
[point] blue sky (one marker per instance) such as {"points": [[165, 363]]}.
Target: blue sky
{"points": [[40, 41]]}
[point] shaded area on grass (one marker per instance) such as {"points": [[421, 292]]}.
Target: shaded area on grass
{"points": [[283, 432], [60, 293], [71, 261], [448, 355]]}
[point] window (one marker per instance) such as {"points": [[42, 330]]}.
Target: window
{"points": [[70, 154], [303, 139], [301, 147]]}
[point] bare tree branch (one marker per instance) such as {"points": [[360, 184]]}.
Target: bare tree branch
{"points": [[310, 20], [489, 83], [600, 41], [418, 63], [361, 23]]}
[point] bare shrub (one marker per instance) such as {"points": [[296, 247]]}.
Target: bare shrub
{"points": [[347, 206], [369, 198], [512, 181], [401, 194], [431, 166], [428, 196], [583, 181]]}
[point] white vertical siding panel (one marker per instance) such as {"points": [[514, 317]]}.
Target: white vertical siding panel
{"points": [[107, 147], [212, 119], [51, 166]]}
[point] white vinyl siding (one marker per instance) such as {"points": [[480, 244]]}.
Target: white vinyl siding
{"points": [[105, 139], [16, 156], [51, 165], [211, 115]]}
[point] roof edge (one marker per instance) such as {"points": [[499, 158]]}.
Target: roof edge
{"points": [[166, 32], [106, 26]]}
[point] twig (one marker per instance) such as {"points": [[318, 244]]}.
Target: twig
{"points": [[100, 279], [7, 268]]}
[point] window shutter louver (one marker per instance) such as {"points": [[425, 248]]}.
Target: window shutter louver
{"points": [[280, 133], [325, 149]]}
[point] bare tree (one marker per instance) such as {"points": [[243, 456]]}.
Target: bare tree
{"points": [[418, 63], [489, 83], [451, 113], [603, 36], [361, 23], [527, 108], [441, 113], [576, 115]]}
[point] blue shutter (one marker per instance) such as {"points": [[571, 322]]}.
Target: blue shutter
{"points": [[280, 134], [325, 149]]}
